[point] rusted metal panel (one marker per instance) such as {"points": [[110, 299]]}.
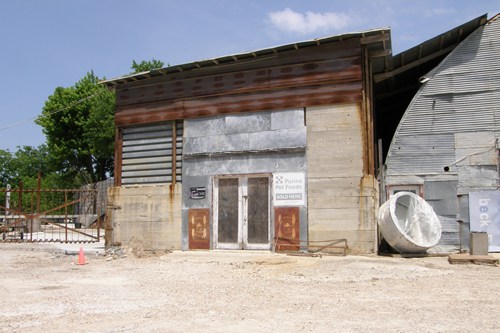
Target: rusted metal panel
{"points": [[199, 228], [327, 74], [341, 50], [63, 215], [293, 97], [376, 41], [337, 70], [287, 228]]}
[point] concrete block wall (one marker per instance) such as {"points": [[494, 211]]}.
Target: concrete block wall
{"points": [[341, 199], [146, 217]]}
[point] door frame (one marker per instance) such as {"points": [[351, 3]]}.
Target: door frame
{"points": [[242, 242]]}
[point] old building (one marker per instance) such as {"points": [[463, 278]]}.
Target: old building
{"points": [[446, 144], [250, 151], [284, 147]]}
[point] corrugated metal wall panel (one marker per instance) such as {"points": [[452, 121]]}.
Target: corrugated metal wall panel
{"points": [[462, 96], [453, 121], [452, 113], [464, 82], [480, 48], [421, 154], [147, 153]]}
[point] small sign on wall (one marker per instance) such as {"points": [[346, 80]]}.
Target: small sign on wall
{"points": [[289, 188], [197, 192]]}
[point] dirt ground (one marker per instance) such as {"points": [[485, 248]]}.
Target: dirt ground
{"points": [[43, 289]]}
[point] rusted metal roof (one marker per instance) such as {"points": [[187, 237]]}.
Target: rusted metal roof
{"points": [[377, 41]]}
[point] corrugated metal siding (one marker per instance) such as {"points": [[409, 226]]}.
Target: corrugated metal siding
{"points": [[451, 113], [462, 95], [453, 121], [147, 154], [421, 154]]}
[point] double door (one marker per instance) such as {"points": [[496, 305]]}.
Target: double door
{"points": [[242, 212]]}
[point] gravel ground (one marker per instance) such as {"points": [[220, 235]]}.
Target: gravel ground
{"points": [[43, 289]]}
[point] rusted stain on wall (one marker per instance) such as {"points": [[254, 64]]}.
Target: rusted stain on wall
{"points": [[287, 228], [368, 197], [199, 228]]}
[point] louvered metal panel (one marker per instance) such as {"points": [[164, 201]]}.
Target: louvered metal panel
{"points": [[147, 153]]}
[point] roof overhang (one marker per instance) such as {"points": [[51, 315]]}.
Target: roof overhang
{"points": [[431, 49], [376, 41]]}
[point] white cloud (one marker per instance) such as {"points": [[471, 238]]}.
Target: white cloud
{"points": [[439, 12], [310, 22]]}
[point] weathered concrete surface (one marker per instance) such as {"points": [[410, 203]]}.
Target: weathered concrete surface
{"points": [[342, 200], [146, 217]]}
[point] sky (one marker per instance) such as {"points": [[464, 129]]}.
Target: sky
{"points": [[54, 43]]}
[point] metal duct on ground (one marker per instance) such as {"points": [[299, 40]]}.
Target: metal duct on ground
{"points": [[408, 223]]}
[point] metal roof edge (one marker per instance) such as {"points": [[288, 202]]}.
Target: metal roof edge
{"points": [[233, 58], [480, 20], [398, 68], [494, 18]]}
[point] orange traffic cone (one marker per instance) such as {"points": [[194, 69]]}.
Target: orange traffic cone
{"points": [[81, 257]]}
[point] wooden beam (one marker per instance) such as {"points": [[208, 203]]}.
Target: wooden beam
{"points": [[373, 39], [380, 53], [386, 75]]}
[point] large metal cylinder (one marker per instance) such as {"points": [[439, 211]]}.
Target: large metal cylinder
{"points": [[408, 223]]}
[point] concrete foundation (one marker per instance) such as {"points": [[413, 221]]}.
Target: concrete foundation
{"points": [[145, 217]]}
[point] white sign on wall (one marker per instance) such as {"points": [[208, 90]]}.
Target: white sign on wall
{"points": [[289, 188], [484, 211]]}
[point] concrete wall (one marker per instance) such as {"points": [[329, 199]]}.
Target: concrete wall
{"points": [[253, 143], [341, 199], [145, 217]]}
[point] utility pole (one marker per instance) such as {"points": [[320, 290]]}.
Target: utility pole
{"points": [[7, 200]]}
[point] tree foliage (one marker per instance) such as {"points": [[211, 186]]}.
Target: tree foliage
{"points": [[5, 167], [24, 166], [145, 66], [78, 123]]}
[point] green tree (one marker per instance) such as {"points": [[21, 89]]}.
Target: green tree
{"points": [[78, 123], [145, 66], [23, 167], [5, 167]]}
